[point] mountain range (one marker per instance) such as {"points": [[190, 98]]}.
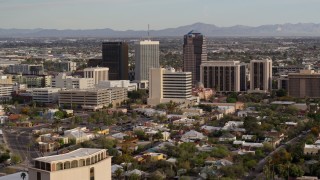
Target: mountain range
{"points": [[300, 29]]}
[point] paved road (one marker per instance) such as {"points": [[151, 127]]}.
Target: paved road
{"points": [[257, 174]]}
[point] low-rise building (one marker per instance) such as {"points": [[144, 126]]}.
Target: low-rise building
{"points": [[118, 83], [69, 82], [83, 163], [45, 95]]}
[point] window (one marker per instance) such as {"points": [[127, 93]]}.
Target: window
{"points": [[74, 164], [67, 165], [59, 166], [92, 173], [88, 161], [38, 175], [82, 162]]}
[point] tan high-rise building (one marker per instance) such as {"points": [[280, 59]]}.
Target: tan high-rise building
{"points": [[304, 84], [98, 74], [261, 76], [167, 85], [224, 76], [194, 53], [83, 163]]}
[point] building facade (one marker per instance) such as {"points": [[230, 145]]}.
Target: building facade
{"points": [[194, 53], [68, 82], [92, 99], [304, 84], [83, 163], [115, 57], [117, 83], [224, 76], [261, 76], [146, 57], [33, 81], [45, 95], [66, 66], [98, 74], [26, 69], [166, 85]]}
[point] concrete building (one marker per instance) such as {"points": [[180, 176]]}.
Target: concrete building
{"points": [[261, 76], [304, 84], [146, 57], [194, 53], [83, 163], [33, 81], [224, 76], [6, 92], [68, 82], [26, 69], [167, 85], [92, 99], [6, 79], [283, 82], [98, 74], [66, 66], [45, 95], [117, 83]]}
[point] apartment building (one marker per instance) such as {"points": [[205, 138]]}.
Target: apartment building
{"points": [[261, 76]]}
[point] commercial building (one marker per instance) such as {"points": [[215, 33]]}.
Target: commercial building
{"points": [[68, 82], [261, 76], [6, 79], [83, 163], [117, 83], [92, 99], [6, 92], [115, 57], [283, 82], [26, 69], [33, 81], [98, 74], [45, 95], [66, 66], [167, 85], [146, 57], [304, 84], [224, 76], [194, 53]]}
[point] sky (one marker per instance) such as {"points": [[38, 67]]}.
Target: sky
{"points": [[160, 14]]}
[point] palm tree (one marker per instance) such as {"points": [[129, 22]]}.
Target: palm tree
{"points": [[23, 175]]}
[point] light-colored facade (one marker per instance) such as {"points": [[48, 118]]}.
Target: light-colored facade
{"points": [[69, 82], [92, 99], [81, 164], [166, 85], [66, 66], [146, 57], [45, 95], [98, 74], [6, 91], [6, 79], [33, 81], [304, 84], [261, 76], [117, 83], [223, 76]]}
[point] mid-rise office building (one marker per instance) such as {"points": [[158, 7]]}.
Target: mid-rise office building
{"points": [[261, 76], [167, 85], [83, 163], [6, 91], [117, 83], [304, 84], [194, 53], [68, 82], [66, 66], [98, 74], [6, 79], [45, 95], [146, 57], [115, 57], [224, 76], [26, 69], [92, 99], [283, 82], [33, 81]]}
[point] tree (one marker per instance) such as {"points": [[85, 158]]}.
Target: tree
{"points": [[59, 114], [134, 177], [15, 159], [118, 173], [23, 175]]}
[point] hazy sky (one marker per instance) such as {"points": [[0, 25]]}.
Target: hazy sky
{"points": [[160, 14]]}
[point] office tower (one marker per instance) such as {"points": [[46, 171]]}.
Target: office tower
{"points": [[261, 76], [194, 53], [98, 74], [167, 85], [83, 163], [146, 57], [115, 57], [304, 84], [223, 76], [69, 82]]}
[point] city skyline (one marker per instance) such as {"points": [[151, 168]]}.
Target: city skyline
{"points": [[119, 15]]}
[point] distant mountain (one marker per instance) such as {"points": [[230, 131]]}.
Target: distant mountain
{"points": [[300, 29]]}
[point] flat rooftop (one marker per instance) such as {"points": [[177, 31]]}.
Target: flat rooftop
{"points": [[82, 152]]}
